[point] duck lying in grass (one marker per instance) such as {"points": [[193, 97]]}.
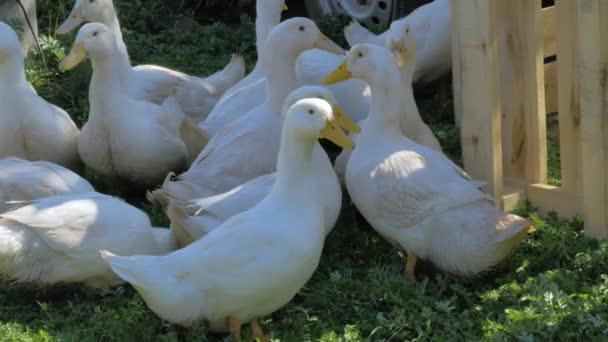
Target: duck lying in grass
{"points": [[152, 83], [30, 127], [22, 180], [432, 26], [248, 147], [258, 260], [192, 220], [57, 239], [126, 138], [414, 196]]}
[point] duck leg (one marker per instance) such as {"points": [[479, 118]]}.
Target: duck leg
{"points": [[234, 326], [257, 331], [410, 267]]}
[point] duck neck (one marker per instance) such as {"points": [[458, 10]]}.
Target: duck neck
{"points": [[266, 20], [279, 70], [294, 162], [385, 112], [110, 19], [12, 69], [106, 81], [410, 112]]}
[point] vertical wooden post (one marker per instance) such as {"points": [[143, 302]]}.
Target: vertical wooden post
{"points": [[475, 39], [521, 49], [568, 95], [593, 39], [456, 82]]}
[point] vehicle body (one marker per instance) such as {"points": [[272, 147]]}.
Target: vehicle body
{"points": [[376, 15]]}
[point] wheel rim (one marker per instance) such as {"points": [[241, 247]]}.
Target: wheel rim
{"points": [[371, 13]]}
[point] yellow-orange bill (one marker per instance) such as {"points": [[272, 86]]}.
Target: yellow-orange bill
{"points": [[345, 121], [341, 74], [326, 44], [75, 57], [334, 134]]}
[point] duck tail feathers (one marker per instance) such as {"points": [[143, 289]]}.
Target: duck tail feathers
{"points": [[224, 79], [194, 138], [176, 211], [355, 33]]}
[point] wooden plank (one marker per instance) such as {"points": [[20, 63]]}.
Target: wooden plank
{"points": [[551, 103], [513, 194], [520, 32], [456, 83], [549, 198], [593, 68], [475, 27], [568, 95], [549, 30]]}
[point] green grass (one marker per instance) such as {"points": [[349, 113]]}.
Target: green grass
{"points": [[555, 286]]}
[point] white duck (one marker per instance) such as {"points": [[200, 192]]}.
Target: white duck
{"points": [[57, 239], [126, 138], [248, 147], [415, 196], [153, 83], [250, 91], [432, 24], [22, 180], [410, 121], [257, 261], [30, 127], [193, 219]]}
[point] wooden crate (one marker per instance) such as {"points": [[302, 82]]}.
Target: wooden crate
{"points": [[503, 90]]}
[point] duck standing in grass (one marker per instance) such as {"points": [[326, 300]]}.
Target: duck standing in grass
{"points": [[22, 180], [30, 127], [248, 147], [410, 121], [127, 138], [192, 220], [153, 83], [414, 196], [251, 90], [257, 261], [57, 239]]}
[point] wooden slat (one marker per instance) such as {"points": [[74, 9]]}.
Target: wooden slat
{"points": [[475, 35], [521, 31], [551, 105], [457, 95], [549, 30], [549, 198], [568, 95], [593, 67]]}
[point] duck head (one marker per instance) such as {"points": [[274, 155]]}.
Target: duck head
{"points": [[97, 11], [297, 35], [368, 62], [322, 93], [401, 42], [312, 118], [95, 40]]}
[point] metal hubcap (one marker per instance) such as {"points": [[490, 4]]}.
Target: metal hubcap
{"points": [[374, 14]]}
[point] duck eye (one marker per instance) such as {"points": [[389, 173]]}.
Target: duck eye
{"points": [[311, 111], [95, 33], [302, 28], [360, 54]]}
